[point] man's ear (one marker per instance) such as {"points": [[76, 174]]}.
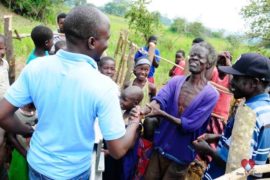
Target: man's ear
{"points": [[91, 43], [46, 43], [208, 65]]}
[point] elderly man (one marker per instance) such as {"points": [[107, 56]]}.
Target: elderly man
{"points": [[185, 103], [69, 93]]}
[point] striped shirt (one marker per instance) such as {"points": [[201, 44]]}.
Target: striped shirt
{"points": [[260, 145]]}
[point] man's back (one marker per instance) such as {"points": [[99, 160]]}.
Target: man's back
{"points": [[69, 93]]}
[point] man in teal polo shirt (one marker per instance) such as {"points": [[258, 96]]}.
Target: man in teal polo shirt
{"points": [[69, 93]]}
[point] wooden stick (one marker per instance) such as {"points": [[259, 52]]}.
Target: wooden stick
{"points": [[125, 42], [130, 63], [9, 47]]}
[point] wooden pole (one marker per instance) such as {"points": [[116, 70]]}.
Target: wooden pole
{"points": [[130, 63], [122, 60], [243, 128], [9, 52]]}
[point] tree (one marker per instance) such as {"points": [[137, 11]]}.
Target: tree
{"points": [[116, 8], [196, 29], [257, 15], [141, 20], [179, 25]]}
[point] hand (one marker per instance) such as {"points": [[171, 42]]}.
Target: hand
{"points": [[134, 114], [151, 110], [202, 147], [151, 44], [105, 151], [210, 138], [228, 62]]}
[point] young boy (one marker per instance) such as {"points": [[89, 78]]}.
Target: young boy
{"points": [[141, 70], [130, 97], [42, 37], [251, 77], [4, 84], [179, 60], [156, 60], [19, 167], [106, 66]]}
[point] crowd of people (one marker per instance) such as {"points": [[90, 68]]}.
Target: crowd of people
{"points": [[65, 98]]}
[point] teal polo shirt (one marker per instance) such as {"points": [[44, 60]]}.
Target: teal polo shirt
{"points": [[69, 94]]}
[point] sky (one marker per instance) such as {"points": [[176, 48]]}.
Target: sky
{"points": [[214, 14]]}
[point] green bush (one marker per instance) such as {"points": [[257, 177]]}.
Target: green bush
{"points": [[36, 9]]}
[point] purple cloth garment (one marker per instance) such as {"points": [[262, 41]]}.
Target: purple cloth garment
{"points": [[175, 142]]}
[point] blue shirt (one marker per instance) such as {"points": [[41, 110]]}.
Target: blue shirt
{"points": [[157, 59], [32, 56], [69, 93], [260, 145]]}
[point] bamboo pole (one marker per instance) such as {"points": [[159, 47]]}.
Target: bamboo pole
{"points": [[9, 47]]}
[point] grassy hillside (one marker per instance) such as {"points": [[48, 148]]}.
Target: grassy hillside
{"points": [[168, 42]]}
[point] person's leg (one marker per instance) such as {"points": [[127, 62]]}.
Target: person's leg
{"points": [[157, 166], [176, 171]]}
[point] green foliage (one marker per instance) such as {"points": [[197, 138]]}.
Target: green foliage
{"points": [[257, 15], [141, 20], [196, 29], [179, 25], [35, 9], [118, 9]]}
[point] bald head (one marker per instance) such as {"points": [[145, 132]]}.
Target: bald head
{"points": [[134, 92], [83, 22]]}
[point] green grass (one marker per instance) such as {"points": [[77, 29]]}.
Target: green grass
{"points": [[168, 42]]}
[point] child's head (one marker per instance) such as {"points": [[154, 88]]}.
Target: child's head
{"points": [[179, 55], [149, 126], [60, 21], [2, 46], [152, 39], [42, 37], [106, 66], [59, 45], [142, 68], [197, 40], [130, 97]]}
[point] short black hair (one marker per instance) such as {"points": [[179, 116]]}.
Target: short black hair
{"points": [[40, 34], [60, 16], [197, 40], [104, 59], [152, 38], [181, 51], [59, 44], [83, 22]]}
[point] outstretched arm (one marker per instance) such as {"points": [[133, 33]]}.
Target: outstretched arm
{"points": [[119, 147], [10, 122]]}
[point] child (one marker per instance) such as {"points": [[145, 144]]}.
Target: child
{"points": [[179, 60], [130, 97], [19, 167], [59, 35], [59, 45], [106, 66], [141, 70], [4, 84], [42, 37]]}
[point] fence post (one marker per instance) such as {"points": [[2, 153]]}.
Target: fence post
{"points": [[9, 51]]}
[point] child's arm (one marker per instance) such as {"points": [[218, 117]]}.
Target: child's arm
{"points": [[171, 73], [152, 90], [16, 144]]}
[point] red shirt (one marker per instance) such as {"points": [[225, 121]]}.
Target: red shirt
{"points": [[179, 71], [222, 107]]}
